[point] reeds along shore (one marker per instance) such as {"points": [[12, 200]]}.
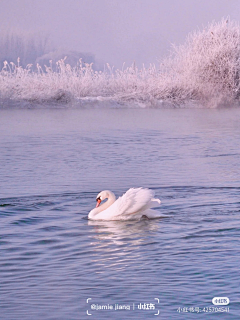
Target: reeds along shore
{"points": [[205, 69]]}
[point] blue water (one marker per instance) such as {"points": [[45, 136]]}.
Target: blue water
{"points": [[55, 162]]}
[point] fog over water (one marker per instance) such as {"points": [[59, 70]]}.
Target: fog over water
{"points": [[116, 31]]}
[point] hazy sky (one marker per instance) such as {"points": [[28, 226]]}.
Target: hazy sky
{"points": [[116, 31]]}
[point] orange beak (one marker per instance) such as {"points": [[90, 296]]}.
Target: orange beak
{"points": [[98, 202]]}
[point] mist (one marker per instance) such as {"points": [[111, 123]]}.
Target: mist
{"points": [[117, 32]]}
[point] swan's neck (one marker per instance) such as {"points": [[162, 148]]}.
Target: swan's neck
{"points": [[110, 200]]}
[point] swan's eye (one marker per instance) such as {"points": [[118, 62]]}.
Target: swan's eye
{"points": [[99, 198]]}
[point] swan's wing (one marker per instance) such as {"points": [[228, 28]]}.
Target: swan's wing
{"points": [[134, 200]]}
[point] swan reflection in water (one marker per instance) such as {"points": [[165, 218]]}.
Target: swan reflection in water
{"points": [[124, 232], [119, 244]]}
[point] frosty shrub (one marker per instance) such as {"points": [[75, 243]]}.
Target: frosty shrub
{"points": [[208, 64], [204, 70]]}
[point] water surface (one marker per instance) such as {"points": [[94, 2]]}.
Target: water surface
{"points": [[55, 162]]}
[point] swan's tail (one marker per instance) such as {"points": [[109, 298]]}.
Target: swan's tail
{"points": [[154, 203], [152, 214]]}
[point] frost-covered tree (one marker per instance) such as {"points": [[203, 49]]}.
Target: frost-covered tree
{"points": [[207, 65]]}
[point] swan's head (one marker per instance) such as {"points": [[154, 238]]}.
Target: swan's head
{"points": [[106, 194]]}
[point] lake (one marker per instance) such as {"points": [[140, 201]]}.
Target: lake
{"points": [[56, 264]]}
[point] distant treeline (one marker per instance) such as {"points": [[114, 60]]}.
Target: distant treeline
{"points": [[33, 48]]}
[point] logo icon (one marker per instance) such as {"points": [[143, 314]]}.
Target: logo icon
{"points": [[220, 301]]}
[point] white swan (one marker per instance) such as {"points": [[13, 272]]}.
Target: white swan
{"points": [[134, 204]]}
